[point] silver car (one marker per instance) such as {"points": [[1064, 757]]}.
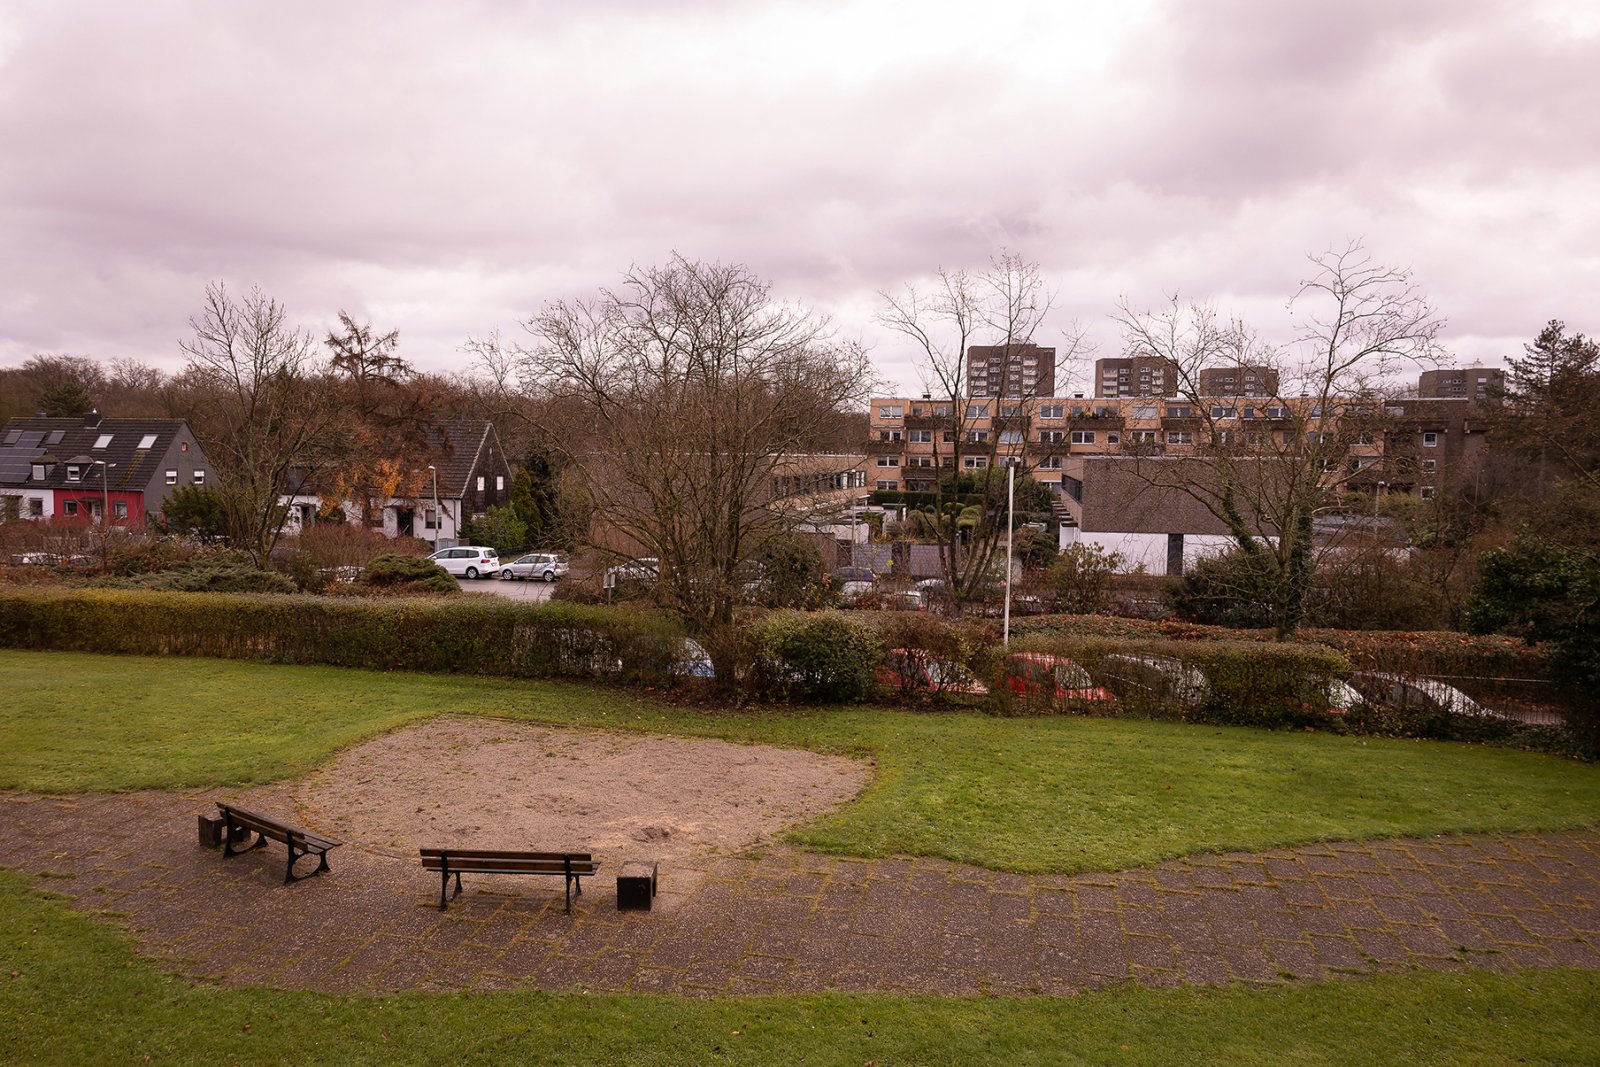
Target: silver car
{"points": [[545, 566], [468, 561]]}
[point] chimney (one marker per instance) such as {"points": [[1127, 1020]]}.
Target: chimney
{"points": [[91, 420]]}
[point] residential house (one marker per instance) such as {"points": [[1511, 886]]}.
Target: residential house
{"points": [[86, 468], [455, 471]]}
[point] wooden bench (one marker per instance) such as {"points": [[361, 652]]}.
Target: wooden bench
{"points": [[241, 822], [571, 866]]}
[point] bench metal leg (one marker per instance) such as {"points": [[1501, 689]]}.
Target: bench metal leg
{"points": [[295, 855], [230, 832], [444, 882]]}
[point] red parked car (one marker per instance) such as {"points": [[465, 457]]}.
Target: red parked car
{"points": [[1044, 675]]}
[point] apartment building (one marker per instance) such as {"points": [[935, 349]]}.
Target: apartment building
{"points": [[1405, 446], [1470, 383], [1135, 376], [1244, 379], [1017, 370]]}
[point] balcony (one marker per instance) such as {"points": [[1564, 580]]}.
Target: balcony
{"points": [[1048, 448], [881, 448], [1192, 423], [927, 422], [1096, 422]]}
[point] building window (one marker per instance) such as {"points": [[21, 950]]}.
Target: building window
{"points": [[147, 441], [1142, 437], [1178, 411], [1142, 412], [1113, 438], [975, 462], [72, 507], [36, 506], [102, 441], [1050, 463], [1083, 437], [1428, 466], [199, 477], [430, 519], [1053, 411], [1430, 440], [977, 411], [480, 483], [1221, 412], [888, 484], [888, 435], [888, 461], [1180, 437], [922, 437], [499, 482], [1277, 413], [119, 509], [172, 477], [74, 472], [38, 472], [1427, 492], [891, 411], [1011, 437], [977, 437], [919, 461], [948, 437], [55, 437]]}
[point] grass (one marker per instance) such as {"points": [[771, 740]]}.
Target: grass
{"points": [[1060, 794], [71, 992]]}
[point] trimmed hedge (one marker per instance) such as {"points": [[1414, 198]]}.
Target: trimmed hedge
{"points": [[1245, 684], [477, 635], [818, 655]]}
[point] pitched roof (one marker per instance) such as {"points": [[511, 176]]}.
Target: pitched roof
{"points": [[451, 446], [131, 467]]}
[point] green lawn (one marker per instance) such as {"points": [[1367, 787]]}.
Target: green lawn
{"points": [[72, 993], [1065, 794]]}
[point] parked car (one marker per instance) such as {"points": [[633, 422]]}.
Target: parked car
{"points": [[1045, 675], [693, 661], [35, 559], [912, 670], [468, 561], [545, 566], [855, 584], [1164, 679], [1341, 696], [1412, 692]]}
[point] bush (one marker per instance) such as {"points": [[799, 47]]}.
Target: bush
{"points": [[951, 648], [1245, 684], [231, 573], [1082, 576], [498, 528], [465, 635], [394, 573], [819, 656], [1230, 589]]}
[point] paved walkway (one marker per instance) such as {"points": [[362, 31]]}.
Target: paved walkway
{"points": [[789, 921]]}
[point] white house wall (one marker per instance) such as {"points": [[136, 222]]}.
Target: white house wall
{"points": [[1149, 549]]}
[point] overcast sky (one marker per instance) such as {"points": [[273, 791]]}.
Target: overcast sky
{"points": [[444, 169]]}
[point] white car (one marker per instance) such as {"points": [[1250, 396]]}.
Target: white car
{"points": [[468, 561], [1424, 693], [545, 566]]}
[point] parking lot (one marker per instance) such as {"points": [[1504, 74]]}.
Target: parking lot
{"points": [[533, 592]]}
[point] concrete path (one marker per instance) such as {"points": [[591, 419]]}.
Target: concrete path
{"points": [[789, 921]]}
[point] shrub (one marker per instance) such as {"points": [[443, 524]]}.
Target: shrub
{"points": [[1245, 684], [1230, 589], [498, 528], [230, 573], [820, 656], [394, 573], [1082, 577], [465, 635], [951, 648]]}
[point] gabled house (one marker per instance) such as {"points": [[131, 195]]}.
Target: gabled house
{"points": [[92, 467], [455, 470]]}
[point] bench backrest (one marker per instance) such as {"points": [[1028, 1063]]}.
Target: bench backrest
{"points": [[267, 826], [489, 861]]}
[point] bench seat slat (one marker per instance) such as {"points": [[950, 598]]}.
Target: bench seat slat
{"points": [[508, 867], [497, 854]]}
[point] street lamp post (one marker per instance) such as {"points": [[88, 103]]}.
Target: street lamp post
{"points": [[105, 489], [438, 516]]}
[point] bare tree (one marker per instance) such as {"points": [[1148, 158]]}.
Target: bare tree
{"points": [[255, 396], [1001, 306], [1264, 466], [672, 399]]}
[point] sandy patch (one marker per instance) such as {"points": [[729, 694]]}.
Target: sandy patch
{"points": [[488, 783]]}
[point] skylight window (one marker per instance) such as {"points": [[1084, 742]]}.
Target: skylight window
{"points": [[55, 437], [147, 441], [102, 441], [13, 436]]}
